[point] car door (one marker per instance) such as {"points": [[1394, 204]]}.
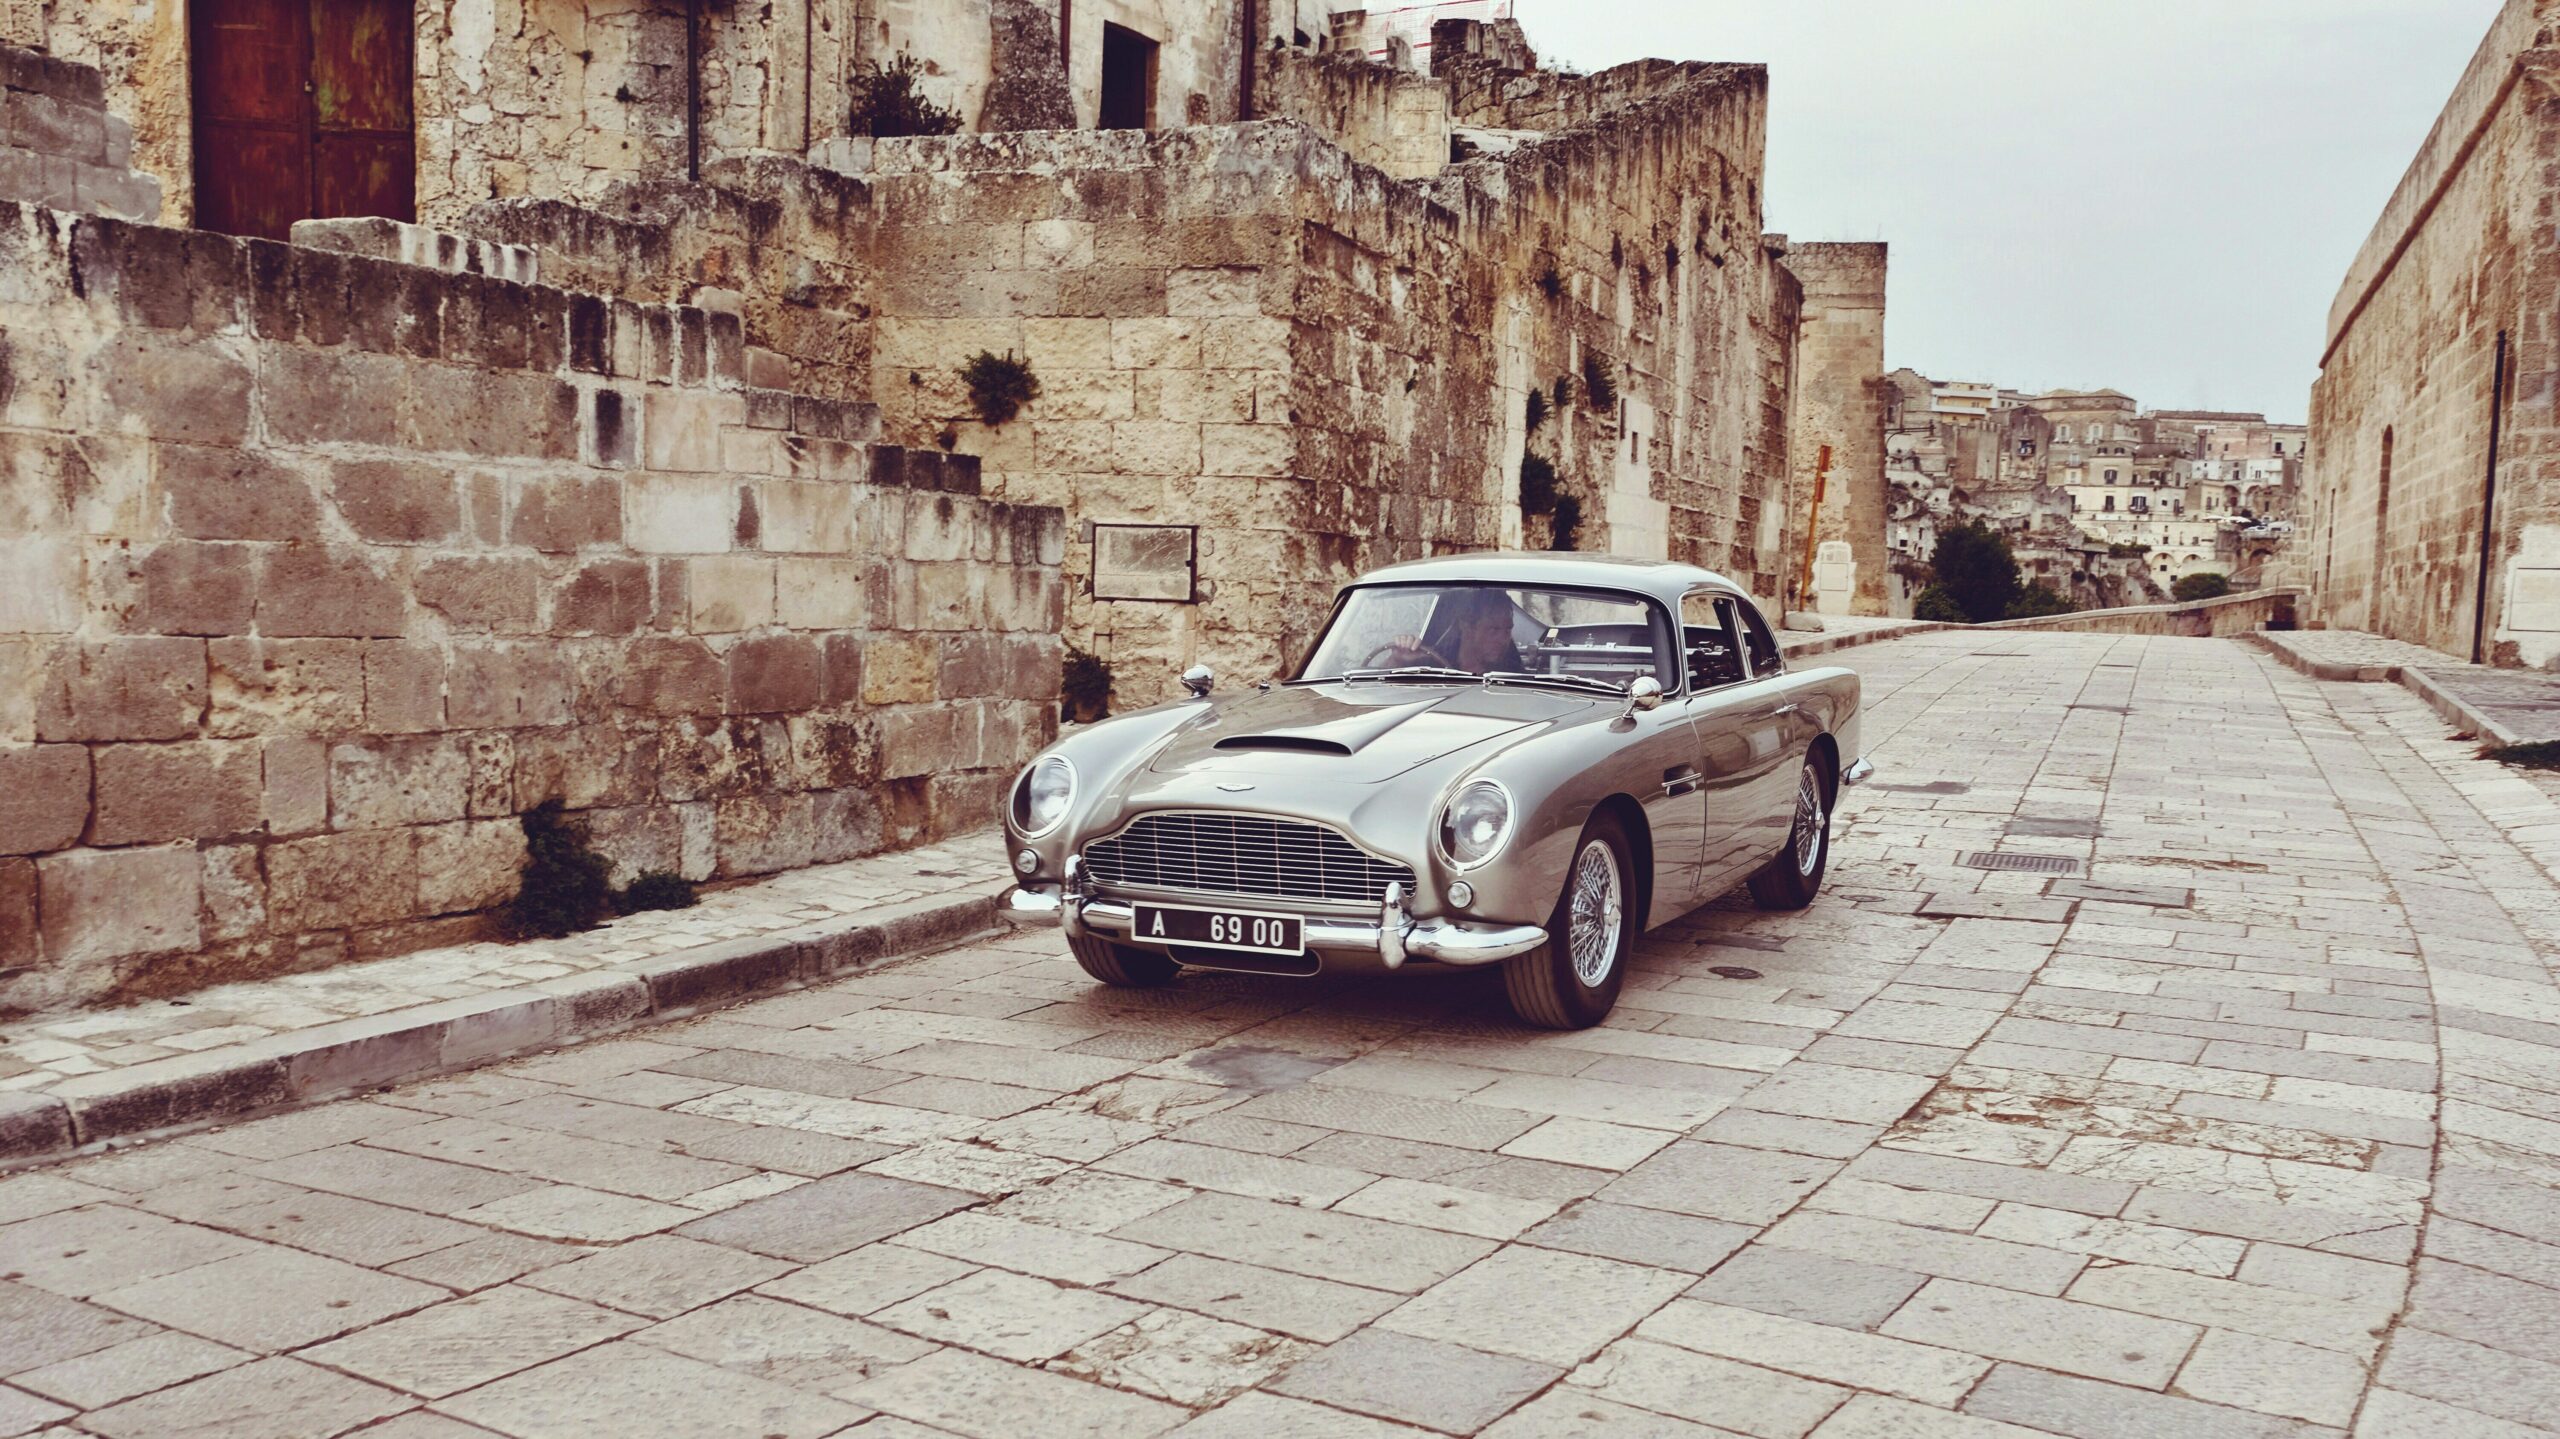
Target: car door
{"points": [[1718, 765], [1774, 732]]}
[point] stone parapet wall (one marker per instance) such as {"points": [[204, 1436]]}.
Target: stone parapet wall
{"points": [[58, 145], [1840, 402], [1382, 115], [2221, 618], [317, 569]]}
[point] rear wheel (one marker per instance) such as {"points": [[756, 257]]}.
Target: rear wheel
{"points": [[1572, 980], [1120, 965], [1793, 876]]}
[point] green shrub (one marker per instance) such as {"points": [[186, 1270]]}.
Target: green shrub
{"points": [[1568, 524], [886, 102], [2209, 585], [1537, 485], [999, 388], [1935, 605], [2039, 600], [2127, 552], [1973, 565], [1599, 385], [1084, 687], [564, 885], [1562, 392], [658, 889], [1537, 410]]}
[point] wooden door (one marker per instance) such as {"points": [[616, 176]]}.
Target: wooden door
{"points": [[302, 111]]}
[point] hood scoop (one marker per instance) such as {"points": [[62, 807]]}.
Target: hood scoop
{"points": [[1346, 735]]}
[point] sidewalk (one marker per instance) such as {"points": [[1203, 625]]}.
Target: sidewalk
{"points": [[78, 1078], [2500, 706]]}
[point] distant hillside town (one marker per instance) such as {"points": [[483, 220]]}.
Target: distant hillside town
{"points": [[2103, 501]]}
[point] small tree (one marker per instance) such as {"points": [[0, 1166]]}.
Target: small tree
{"points": [[2208, 585], [2039, 600], [886, 102], [1936, 606], [1976, 570]]}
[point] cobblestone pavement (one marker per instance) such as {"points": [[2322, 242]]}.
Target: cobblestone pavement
{"points": [[2249, 1128]]}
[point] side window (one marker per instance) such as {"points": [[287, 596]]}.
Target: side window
{"points": [[1707, 645], [1757, 643]]}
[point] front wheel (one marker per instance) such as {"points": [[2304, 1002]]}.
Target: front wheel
{"points": [[1118, 964], [1793, 876], [1572, 980]]}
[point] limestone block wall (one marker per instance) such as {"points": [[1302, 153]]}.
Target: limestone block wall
{"points": [[2401, 466], [58, 144], [317, 569], [1380, 115], [1840, 402]]}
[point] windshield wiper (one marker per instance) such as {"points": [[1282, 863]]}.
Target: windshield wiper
{"points": [[1416, 672], [1584, 681]]}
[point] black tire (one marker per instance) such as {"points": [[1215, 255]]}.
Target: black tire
{"points": [[1542, 985], [1786, 882], [1118, 964]]}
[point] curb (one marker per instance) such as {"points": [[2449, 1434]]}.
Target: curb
{"points": [[1811, 648], [331, 1061], [2455, 710]]}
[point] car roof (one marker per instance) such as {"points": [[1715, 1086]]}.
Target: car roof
{"points": [[1660, 579]]}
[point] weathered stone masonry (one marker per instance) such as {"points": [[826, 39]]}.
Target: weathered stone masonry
{"points": [[317, 568], [2403, 479]]}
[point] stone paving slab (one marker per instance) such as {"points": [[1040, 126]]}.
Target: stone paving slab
{"points": [[83, 1078], [2252, 1132], [2506, 707]]}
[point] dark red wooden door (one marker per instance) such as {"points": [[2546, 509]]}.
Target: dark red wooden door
{"points": [[302, 111]]}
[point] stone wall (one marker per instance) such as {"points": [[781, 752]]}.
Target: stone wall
{"points": [[2401, 427], [2222, 618], [1244, 329], [1840, 402], [58, 144], [1380, 115], [316, 569]]}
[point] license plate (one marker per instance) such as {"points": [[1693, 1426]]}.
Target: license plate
{"points": [[1221, 929]]}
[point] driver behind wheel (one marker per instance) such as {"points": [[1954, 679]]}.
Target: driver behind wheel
{"points": [[1471, 631]]}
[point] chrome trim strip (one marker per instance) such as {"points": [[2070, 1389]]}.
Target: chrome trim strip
{"points": [[1440, 940]]}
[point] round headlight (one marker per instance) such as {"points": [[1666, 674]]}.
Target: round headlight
{"points": [[1478, 820], [1041, 799]]}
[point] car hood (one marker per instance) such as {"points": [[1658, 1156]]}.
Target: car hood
{"points": [[1353, 733]]}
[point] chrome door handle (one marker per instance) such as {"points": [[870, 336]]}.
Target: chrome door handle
{"points": [[1790, 707]]}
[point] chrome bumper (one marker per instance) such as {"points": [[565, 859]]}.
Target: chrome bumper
{"points": [[1858, 772], [1393, 936]]}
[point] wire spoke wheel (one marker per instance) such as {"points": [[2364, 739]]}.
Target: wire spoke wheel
{"points": [[1809, 830], [1598, 912]]}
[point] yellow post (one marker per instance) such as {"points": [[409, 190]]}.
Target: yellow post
{"points": [[1812, 525]]}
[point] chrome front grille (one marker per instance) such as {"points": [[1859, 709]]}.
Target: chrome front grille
{"points": [[1247, 854]]}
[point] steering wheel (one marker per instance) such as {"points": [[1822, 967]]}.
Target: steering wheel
{"points": [[1415, 650]]}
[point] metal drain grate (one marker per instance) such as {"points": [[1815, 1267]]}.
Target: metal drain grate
{"points": [[2021, 863]]}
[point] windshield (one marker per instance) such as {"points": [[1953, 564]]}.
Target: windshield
{"points": [[1461, 631]]}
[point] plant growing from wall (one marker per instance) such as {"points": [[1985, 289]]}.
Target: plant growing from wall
{"points": [[1537, 410], [1599, 385], [1550, 283], [1567, 528], [2209, 585], [1537, 485], [886, 102], [657, 889], [1084, 687], [1671, 259], [2540, 754], [999, 387], [564, 884], [1617, 253], [1563, 391]]}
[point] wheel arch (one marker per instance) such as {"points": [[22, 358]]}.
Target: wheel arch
{"points": [[1827, 750]]}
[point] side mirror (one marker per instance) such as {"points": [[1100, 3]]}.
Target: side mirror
{"points": [[1197, 680], [1644, 692]]}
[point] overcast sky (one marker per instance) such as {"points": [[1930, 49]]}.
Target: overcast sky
{"points": [[2157, 195]]}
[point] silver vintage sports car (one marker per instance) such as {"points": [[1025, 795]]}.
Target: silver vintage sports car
{"points": [[1493, 759]]}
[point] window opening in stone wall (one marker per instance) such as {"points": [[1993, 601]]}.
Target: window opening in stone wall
{"points": [[302, 111], [1128, 79]]}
